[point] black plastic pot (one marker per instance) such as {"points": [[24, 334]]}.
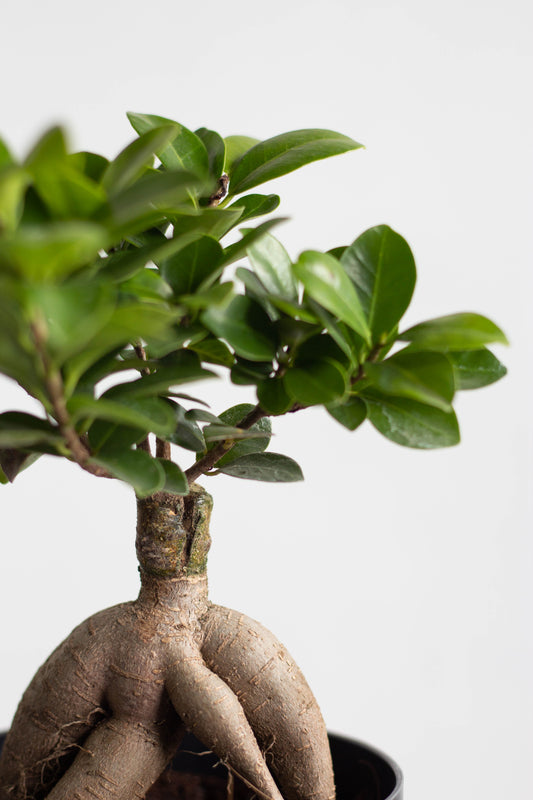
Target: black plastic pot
{"points": [[361, 773]]}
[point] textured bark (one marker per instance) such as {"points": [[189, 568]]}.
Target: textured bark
{"points": [[107, 711]]}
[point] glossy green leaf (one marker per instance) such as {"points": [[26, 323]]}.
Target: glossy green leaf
{"points": [[175, 479], [136, 467], [220, 433], [249, 373], [272, 265], [131, 162], [161, 381], [214, 352], [110, 437], [146, 413], [426, 377], [273, 396], [18, 429], [270, 467], [236, 147], [250, 236], [53, 251], [93, 165], [316, 382], [255, 289], [154, 197], [216, 150], [256, 205], [216, 295], [189, 267], [215, 222], [245, 446], [475, 368], [187, 433], [410, 423], [186, 151], [245, 326], [285, 153], [382, 267], [466, 331], [327, 283], [351, 413]]}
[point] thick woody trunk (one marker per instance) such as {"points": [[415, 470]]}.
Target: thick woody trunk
{"points": [[106, 712]]}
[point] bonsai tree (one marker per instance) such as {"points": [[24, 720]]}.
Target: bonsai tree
{"points": [[117, 290]]}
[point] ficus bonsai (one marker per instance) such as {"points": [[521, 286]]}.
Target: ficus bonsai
{"points": [[117, 289]]}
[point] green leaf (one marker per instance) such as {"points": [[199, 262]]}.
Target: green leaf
{"points": [[67, 193], [152, 199], [382, 267], [72, 313], [13, 183], [160, 381], [136, 467], [249, 236], [236, 147], [109, 437], [285, 153], [187, 433], [249, 373], [186, 151], [6, 159], [256, 205], [216, 150], [410, 423], [316, 382], [214, 352], [175, 479], [466, 331], [350, 414], [187, 269], [273, 396], [131, 162], [270, 467], [475, 368], [245, 326], [147, 413], [220, 433], [245, 446], [272, 265], [426, 377], [18, 429], [13, 461], [53, 251], [326, 282], [93, 165]]}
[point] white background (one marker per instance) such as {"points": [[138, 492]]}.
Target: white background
{"points": [[400, 580]]}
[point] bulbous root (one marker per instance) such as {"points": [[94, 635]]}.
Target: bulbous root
{"points": [[105, 714]]}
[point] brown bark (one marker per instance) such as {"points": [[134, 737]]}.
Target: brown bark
{"points": [[104, 715]]}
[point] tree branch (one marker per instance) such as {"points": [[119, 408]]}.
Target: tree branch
{"points": [[55, 390], [207, 462]]}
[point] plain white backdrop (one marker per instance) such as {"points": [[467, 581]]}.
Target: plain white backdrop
{"points": [[400, 580]]}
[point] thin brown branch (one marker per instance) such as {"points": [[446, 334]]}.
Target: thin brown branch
{"points": [[55, 390], [140, 352], [207, 462]]}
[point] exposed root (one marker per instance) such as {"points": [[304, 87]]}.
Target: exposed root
{"points": [[105, 714]]}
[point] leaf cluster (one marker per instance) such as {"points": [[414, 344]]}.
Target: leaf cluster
{"points": [[119, 286]]}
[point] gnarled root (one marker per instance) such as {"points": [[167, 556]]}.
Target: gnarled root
{"points": [[105, 714]]}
